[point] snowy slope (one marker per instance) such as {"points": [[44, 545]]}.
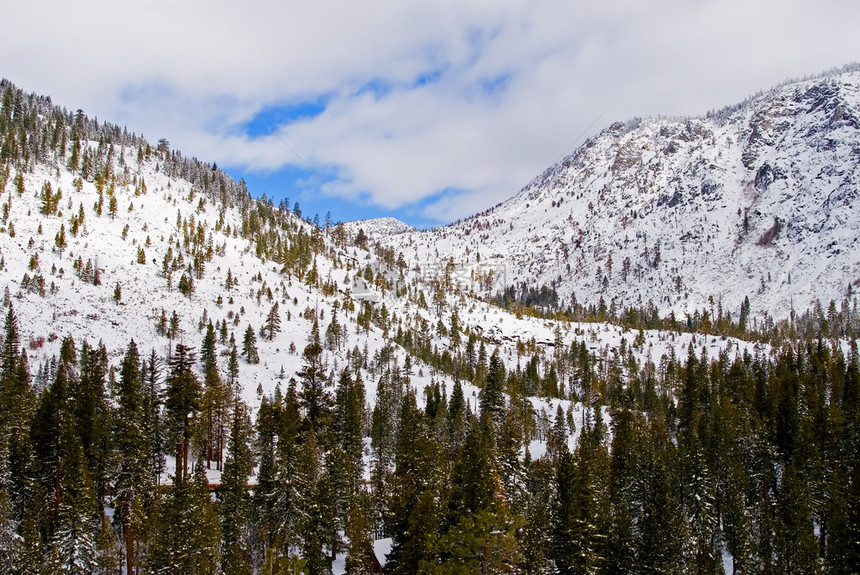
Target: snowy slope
{"points": [[160, 212], [148, 219], [378, 228], [759, 200]]}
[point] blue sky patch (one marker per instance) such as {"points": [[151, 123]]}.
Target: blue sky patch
{"points": [[269, 119], [429, 77], [293, 184]]}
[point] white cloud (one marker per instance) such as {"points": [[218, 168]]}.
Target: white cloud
{"points": [[195, 72]]}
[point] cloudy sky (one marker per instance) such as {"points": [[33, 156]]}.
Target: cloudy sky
{"points": [[428, 111]]}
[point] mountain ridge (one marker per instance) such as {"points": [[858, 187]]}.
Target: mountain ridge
{"points": [[367, 383], [740, 203]]}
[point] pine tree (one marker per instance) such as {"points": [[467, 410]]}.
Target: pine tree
{"points": [[512, 437], [492, 395], [360, 557], [454, 331], [132, 480], [333, 333], [360, 238], [68, 352], [215, 401], [264, 522], [796, 544], [415, 472], [173, 329], [481, 367], [93, 416], [31, 560], [17, 402], [735, 517], [282, 496], [161, 323], [762, 503], [472, 481], [485, 543], [52, 413], [699, 503], [208, 352], [458, 416], [536, 538], [152, 427], [9, 361], [249, 346], [851, 555], [382, 444], [50, 200], [186, 285], [348, 423], [272, 325], [60, 239], [188, 535], [74, 540], [581, 526], [479, 529], [235, 502], [233, 369], [621, 541], [315, 511], [661, 523], [315, 399], [182, 404], [557, 435], [108, 552], [625, 490], [10, 544], [419, 548]]}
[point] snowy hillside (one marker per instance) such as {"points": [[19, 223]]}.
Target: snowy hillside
{"points": [[149, 206], [137, 227], [759, 200], [163, 220], [391, 403], [379, 227], [157, 214]]}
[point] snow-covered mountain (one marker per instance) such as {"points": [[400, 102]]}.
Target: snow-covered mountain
{"points": [[379, 227], [106, 238], [758, 200]]}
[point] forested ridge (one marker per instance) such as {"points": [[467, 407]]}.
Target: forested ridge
{"points": [[741, 460]]}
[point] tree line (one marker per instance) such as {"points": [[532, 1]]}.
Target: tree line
{"points": [[752, 458]]}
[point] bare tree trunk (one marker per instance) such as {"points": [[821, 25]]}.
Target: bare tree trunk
{"points": [[128, 535]]}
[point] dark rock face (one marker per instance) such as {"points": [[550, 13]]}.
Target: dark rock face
{"points": [[766, 175]]}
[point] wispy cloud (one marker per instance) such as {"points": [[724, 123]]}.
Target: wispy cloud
{"points": [[438, 108]]}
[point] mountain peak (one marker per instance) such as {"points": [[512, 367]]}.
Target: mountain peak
{"points": [[755, 201], [378, 228]]}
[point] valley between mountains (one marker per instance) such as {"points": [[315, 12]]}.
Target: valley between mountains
{"points": [[644, 361]]}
